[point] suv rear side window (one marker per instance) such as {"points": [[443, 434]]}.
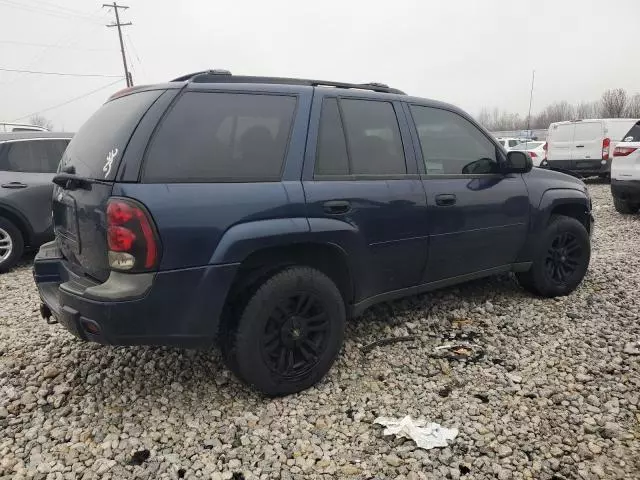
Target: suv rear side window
{"points": [[373, 137], [451, 145], [106, 134], [332, 158], [222, 137], [32, 156], [633, 135]]}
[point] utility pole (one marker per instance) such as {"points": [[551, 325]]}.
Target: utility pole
{"points": [[115, 6], [533, 79]]}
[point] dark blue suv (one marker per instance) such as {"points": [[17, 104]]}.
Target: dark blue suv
{"points": [[261, 213]]}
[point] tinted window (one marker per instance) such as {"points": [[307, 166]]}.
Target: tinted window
{"points": [[451, 144], [373, 136], [35, 156], [633, 135], [106, 134], [587, 131], [513, 143], [332, 156], [222, 137]]}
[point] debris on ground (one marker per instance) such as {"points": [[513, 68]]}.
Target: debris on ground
{"points": [[388, 341], [427, 435], [139, 457], [469, 352]]}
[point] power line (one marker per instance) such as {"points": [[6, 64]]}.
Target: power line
{"points": [[117, 23], [68, 101], [48, 45], [63, 74], [65, 38], [46, 11]]}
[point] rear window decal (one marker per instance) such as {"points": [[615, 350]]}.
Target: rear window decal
{"points": [[111, 156]]}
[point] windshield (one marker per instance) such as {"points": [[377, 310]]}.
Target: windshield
{"points": [[97, 148]]}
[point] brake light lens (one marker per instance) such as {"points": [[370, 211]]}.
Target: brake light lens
{"points": [[533, 154], [131, 236], [623, 151], [606, 143]]}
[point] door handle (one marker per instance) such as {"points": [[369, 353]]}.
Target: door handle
{"points": [[336, 207], [579, 146], [14, 185], [445, 200]]}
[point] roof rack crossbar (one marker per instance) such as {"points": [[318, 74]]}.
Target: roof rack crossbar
{"points": [[223, 76]]}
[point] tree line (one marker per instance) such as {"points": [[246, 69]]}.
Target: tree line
{"points": [[614, 103]]}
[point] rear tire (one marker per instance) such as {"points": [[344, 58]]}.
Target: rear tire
{"points": [[11, 245], [561, 259], [624, 207], [289, 333]]}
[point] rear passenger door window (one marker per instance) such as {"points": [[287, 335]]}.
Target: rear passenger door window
{"points": [[222, 137], [451, 145], [35, 156], [359, 137]]}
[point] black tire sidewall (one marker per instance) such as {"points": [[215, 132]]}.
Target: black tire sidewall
{"points": [[17, 241], [558, 225], [250, 329], [624, 207]]}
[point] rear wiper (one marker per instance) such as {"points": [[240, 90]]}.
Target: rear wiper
{"points": [[71, 181]]}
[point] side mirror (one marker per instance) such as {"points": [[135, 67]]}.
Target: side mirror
{"points": [[518, 162]]}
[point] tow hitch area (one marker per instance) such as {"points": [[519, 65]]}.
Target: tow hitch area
{"points": [[45, 312]]}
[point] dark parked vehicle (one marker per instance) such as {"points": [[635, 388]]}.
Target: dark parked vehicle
{"points": [[28, 162], [263, 212]]}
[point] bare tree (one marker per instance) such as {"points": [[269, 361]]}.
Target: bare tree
{"points": [[613, 103], [484, 118], [587, 110], [633, 107], [41, 122]]}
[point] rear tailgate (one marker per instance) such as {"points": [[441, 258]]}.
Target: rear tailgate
{"points": [[94, 154]]}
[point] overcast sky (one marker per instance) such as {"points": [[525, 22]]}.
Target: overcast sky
{"points": [[467, 52]]}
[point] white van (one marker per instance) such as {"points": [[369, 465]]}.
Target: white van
{"points": [[585, 147]]}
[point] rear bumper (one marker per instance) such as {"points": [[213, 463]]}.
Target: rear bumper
{"points": [[628, 190], [583, 168], [177, 308]]}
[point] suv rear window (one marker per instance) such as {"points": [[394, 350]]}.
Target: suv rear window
{"points": [[222, 137], [97, 148], [633, 135]]}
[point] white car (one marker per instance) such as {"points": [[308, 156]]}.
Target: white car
{"points": [[625, 172], [6, 127], [535, 148], [508, 142]]}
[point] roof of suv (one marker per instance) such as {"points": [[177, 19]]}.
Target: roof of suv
{"points": [[224, 76], [6, 137]]}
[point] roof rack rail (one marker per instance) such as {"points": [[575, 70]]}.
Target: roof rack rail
{"points": [[224, 76]]}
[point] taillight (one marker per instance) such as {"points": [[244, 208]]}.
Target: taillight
{"points": [[623, 151], [131, 236], [545, 147], [606, 143], [533, 154]]}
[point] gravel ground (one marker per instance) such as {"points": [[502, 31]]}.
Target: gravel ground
{"points": [[556, 394]]}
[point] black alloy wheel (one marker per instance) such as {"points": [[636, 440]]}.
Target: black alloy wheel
{"points": [[295, 335], [563, 257]]}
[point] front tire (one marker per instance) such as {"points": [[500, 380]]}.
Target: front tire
{"points": [[561, 259], [289, 333], [11, 245], [624, 207]]}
